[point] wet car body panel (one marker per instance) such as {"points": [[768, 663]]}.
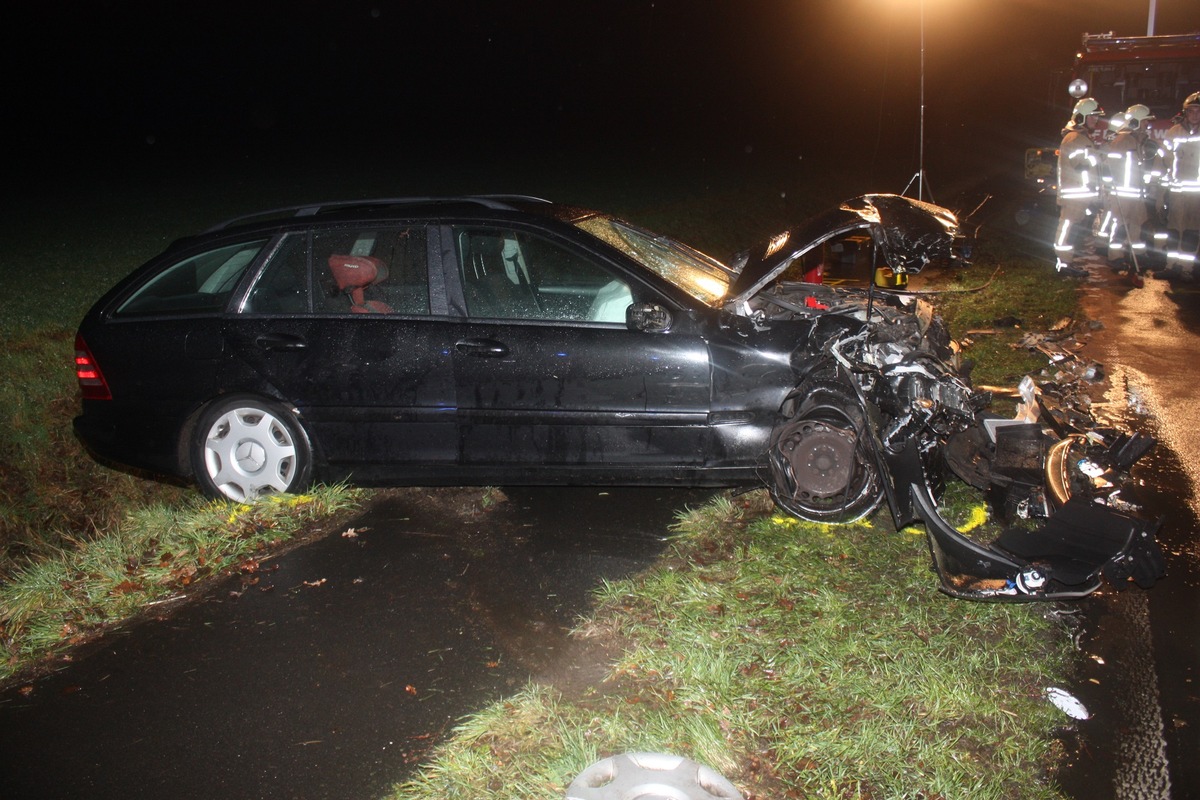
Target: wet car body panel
{"points": [[368, 388], [160, 388], [553, 395]]}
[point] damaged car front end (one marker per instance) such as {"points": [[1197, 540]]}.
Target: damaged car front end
{"points": [[883, 410]]}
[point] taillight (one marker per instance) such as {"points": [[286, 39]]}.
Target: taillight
{"points": [[91, 380]]}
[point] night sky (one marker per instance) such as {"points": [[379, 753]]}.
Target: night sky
{"points": [[801, 79]]}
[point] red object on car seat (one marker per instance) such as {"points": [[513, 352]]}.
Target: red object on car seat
{"points": [[353, 274]]}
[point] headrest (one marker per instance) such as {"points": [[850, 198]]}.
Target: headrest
{"points": [[356, 272]]}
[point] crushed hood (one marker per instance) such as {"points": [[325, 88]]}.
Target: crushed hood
{"points": [[909, 234]]}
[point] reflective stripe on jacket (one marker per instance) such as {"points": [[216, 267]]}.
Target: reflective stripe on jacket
{"points": [[1183, 159], [1078, 167]]}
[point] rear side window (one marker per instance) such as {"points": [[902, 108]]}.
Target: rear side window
{"points": [[201, 283], [284, 287], [371, 271]]}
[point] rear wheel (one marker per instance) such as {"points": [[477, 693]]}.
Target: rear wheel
{"points": [[245, 447], [822, 467]]}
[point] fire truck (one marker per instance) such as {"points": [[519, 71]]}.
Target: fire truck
{"points": [[1119, 71]]}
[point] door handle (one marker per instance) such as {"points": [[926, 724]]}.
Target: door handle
{"points": [[280, 341], [483, 348]]}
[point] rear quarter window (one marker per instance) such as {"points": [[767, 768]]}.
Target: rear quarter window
{"points": [[200, 283]]}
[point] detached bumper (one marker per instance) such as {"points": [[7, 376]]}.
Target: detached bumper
{"points": [[1074, 532], [1068, 557]]}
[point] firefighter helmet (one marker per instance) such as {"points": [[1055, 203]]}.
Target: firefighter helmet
{"points": [[1193, 99], [1085, 108], [1135, 115]]}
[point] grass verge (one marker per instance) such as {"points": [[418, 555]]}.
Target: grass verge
{"points": [[991, 306], [799, 660], [158, 552]]}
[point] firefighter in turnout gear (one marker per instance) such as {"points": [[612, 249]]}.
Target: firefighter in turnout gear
{"points": [[1133, 168], [1182, 145], [1078, 184]]}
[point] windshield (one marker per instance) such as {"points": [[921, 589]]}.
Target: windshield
{"points": [[1118, 85], [704, 278]]}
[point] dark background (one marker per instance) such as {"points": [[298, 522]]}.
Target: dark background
{"points": [[92, 89]]}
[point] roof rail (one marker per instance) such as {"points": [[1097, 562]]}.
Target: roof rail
{"points": [[499, 202]]}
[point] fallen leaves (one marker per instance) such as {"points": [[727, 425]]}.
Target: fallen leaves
{"points": [[126, 587], [185, 574]]}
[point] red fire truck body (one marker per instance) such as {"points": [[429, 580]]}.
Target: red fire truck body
{"points": [[1156, 71], [1119, 71]]}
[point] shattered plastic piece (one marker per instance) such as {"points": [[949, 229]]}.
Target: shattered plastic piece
{"points": [[1028, 390], [1127, 449], [812, 302], [992, 426], [1030, 581], [1081, 540], [1067, 703]]}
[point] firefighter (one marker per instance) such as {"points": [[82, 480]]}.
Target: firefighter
{"points": [[1078, 184], [1132, 168], [1182, 146]]}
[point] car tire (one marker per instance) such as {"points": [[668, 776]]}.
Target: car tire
{"points": [[822, 465], [245, 447]]}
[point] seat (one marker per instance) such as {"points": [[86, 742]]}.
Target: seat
{"points": [[611, 303], [495, 287], [353, 274]]}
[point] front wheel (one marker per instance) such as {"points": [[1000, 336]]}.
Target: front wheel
{"points": [[822, 467], [245, 447]]}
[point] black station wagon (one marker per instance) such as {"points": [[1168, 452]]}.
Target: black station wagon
{"points": [[509, 340]]}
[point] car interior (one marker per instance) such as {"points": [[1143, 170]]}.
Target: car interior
{"points": [[381, 271], [506, 275]]}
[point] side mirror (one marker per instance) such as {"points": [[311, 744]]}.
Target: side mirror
{"points": [[648, 318]]}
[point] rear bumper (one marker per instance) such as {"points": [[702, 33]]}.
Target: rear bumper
{"points": [[151, 446]]}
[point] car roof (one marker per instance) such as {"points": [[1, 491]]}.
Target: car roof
{"points": [[383, 209]]}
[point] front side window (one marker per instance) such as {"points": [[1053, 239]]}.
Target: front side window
{"points": [[514, 275], [198, 284]]}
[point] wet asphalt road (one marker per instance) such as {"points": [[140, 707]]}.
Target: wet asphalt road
{"points": [[342, 662], [1139, 666]]}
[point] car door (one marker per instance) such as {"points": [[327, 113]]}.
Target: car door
{"points": [[549, 378], [339, 324]]}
